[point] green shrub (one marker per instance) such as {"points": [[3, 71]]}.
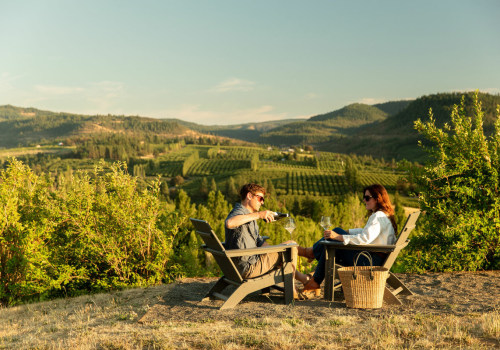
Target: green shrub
{"points": [[459, 191], [110, 233], [25, 227], [90, 232]]}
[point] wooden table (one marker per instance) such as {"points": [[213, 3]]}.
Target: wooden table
{"points": [[330, 247]]}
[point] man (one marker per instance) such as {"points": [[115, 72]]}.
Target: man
{"points": [[242, 232]]}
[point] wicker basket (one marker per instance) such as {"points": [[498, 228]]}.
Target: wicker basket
{"points": [[363, 286]]}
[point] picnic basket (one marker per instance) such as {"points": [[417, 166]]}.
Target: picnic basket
{"points": [[363, 286]]}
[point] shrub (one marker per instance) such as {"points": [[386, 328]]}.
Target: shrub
{"points": [[459, 190], [91, 232], [110, 233], [25, 226]]}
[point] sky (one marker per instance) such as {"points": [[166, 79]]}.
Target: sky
{"points": [[236, 61]]}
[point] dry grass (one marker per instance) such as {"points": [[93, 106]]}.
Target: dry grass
{"points": [[16, 152], [110, 321]]}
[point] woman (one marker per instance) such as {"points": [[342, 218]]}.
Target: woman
{"points": [[380, 229]]}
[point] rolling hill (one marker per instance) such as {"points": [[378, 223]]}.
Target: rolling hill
{"points": [[381, 130], [395, 137]]}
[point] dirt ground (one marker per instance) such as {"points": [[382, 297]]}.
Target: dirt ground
{"points": [[460, 293]]}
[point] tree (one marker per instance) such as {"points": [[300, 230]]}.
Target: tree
{"points": [[459, 190], [231, 191], [351, 175], [177, 180], [213, 185], [204, 187], [399, 211], [254, 162]]}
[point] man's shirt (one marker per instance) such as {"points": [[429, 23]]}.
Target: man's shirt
{"points": [[243, 237]]}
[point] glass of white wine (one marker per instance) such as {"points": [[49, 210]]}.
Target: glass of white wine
{"points": [[325, 223], [290, 226]]}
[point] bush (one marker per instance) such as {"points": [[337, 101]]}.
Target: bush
{"points": [[459, 191], [25, 226], [91, 232]]}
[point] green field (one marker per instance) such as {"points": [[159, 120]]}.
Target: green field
{"points": [[291, 172]]}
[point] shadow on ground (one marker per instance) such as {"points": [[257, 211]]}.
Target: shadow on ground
{"points": [[436, 293]]}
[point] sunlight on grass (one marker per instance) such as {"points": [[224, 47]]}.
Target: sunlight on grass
{"points": [[109, 321]]}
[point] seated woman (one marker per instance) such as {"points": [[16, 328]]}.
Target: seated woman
{"points": [[380, 229]]}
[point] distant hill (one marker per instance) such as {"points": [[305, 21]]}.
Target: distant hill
{"points": [[322, 127], [381, 130], [250, 132], [395, 137], [393, 107], [26, 126]]}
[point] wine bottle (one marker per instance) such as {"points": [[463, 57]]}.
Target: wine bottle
{"points": [[278, 215]]}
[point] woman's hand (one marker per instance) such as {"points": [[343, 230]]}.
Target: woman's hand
{"points": [[329, 234]]}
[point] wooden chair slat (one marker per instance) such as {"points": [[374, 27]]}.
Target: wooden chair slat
{"points": [[282, 276]]}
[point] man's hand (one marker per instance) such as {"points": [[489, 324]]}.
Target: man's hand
{"points": [[239, 220], [266, 215]]}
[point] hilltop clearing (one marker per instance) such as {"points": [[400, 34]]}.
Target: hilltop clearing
{"points": [[448, 310]]}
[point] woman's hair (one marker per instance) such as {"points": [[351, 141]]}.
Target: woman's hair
{"points": [[381, 196], [252, 188]]}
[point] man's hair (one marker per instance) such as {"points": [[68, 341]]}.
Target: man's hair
{"points": [[252, 188]]}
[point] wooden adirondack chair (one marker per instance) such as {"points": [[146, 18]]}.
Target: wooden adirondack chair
{"points": [[398, 287], [280, 278]]}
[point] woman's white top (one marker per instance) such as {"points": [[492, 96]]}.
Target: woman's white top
{"points": [[378, 230]]}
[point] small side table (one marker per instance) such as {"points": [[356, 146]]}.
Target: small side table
{"points": [[331, 247]]}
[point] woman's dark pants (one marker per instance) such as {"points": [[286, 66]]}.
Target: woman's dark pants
{"points": [[342, 257]]}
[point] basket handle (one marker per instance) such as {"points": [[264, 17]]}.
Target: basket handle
{"points": [[369, 257]]}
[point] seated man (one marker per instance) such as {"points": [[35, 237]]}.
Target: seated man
{"points": [[242, 232]]}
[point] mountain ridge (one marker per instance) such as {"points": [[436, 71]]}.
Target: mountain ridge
{"points": [[381, 130]]}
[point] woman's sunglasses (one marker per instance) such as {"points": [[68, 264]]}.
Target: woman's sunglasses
{"points": [[367, 198]]}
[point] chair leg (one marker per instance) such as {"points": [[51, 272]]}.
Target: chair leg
{"points": [[235, 297], [399, 286], [288, 281], [390, 298], [245, 289], [217, 288]]}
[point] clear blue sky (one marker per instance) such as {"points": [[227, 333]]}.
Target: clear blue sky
{"points": [[235, 61]]}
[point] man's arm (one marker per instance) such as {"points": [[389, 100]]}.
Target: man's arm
{"points": [[239, 220]]}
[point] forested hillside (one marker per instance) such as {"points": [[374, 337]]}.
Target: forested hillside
{"points": [[395, 137], [29, 126], [382, 130]]}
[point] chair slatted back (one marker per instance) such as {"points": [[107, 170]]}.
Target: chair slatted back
{"points": [[402, 239], [408, 227], [214, 246]]}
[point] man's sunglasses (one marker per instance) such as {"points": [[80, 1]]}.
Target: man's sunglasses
{"points": [[261, 199], [367, 198]]}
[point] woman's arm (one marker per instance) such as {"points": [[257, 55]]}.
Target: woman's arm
{"points": [[367, 235], [329, 234]]}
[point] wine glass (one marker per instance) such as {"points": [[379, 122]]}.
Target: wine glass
{"points": [[325, 223], [290, 226]]}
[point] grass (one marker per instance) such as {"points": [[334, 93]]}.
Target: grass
{"points": [[16, 152], [110, 321]]}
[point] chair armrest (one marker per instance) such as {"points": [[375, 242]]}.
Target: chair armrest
{"points": [[232, 253], [265, 238], [367, 247]]}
